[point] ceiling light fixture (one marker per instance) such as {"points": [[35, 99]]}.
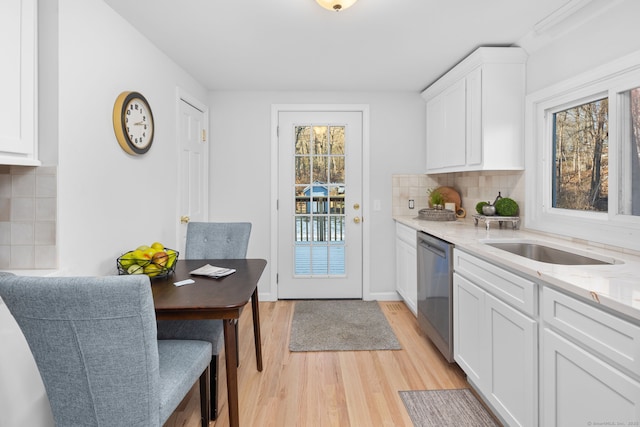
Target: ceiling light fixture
{"points": [[336, 5]]}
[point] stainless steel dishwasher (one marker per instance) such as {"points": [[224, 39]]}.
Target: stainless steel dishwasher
{"points": [[435, 291]]}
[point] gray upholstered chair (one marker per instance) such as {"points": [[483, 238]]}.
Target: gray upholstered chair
{"points": [[209, 240], [94, 342]]}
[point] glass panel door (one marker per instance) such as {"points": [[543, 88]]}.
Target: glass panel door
{"points": [[319, 200], [320, 191]]}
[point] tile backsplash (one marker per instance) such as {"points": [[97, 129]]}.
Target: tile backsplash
{"points": [[28, 214], [472, 186]]}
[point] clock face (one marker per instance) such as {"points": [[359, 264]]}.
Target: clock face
{"points": [[133, 123], [139, 123]]}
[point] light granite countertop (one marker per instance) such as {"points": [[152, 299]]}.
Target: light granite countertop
{"points": [[615, 286]]}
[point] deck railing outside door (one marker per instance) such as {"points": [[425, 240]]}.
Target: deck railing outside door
{"points": [[326, 222]]}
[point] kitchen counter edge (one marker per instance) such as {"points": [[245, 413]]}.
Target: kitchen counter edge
{"points": [[616, 286]]}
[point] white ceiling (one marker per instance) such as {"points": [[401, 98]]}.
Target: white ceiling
{"points": [[390, 45]]}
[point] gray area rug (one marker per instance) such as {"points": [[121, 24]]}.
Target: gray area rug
{"points": [[441, 408], [343, 325]]}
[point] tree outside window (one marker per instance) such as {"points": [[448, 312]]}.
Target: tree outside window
{"points": [[581, 156], [630, 202]]}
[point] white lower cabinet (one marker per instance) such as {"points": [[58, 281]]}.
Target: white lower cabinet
{"points": [[407, 266], [589, 365], [512, 384], [579, 389], [469, 345], [541, 357], [494, 343]]}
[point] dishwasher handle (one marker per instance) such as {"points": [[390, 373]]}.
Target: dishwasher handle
{"points": [[436, 249]]}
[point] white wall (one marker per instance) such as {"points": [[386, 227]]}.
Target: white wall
{"points": [[241, 155], [109, 201]]}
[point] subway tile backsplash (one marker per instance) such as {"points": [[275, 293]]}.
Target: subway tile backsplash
{"points": [[28, 214], [472, 186]]}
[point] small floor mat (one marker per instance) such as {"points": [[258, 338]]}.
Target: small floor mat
{"points": [[441, 408], [340, 325]]}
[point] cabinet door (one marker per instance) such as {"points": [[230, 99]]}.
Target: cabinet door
{"points": [[580, 389], [469, 343], [512, 386], [435, 133], [407, 273], [454, 150], [18, 78], [474, 117], [594, 329], [446, 129]]}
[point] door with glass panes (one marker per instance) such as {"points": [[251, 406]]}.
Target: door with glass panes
{"points": [[319, 204]]}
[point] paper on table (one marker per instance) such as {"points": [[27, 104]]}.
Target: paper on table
{"points": [[212, 271]]}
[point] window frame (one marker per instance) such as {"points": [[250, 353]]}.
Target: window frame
{"points": [[610, 228]]}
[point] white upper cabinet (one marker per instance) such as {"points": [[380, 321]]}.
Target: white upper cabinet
{"points": [[445, 123], [475, 113], [18, 82]]}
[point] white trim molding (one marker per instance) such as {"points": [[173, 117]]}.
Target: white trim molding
{"points": [[610, 228]]}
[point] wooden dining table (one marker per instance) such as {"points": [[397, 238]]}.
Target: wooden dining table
{"points": [[209, 298]]}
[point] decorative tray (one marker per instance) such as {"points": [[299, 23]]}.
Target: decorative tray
{"points": [[429, 214], [514, 220]]}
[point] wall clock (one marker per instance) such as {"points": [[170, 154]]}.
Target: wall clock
{"points": [[133, 123]]}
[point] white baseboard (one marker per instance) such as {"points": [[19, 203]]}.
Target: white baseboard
{"points": [[375, 296], [384, 296]]}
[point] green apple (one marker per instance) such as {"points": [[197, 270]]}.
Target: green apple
{"points": [[138, 255], [135, 269], [148, 254], [127, 260]]}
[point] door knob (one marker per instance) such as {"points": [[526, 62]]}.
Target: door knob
{"points": [[356, 206], [184, 219], [356, 220]]}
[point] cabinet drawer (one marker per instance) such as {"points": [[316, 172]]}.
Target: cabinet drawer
{"points": [[602, 332], [512, 289], [406, 233]]}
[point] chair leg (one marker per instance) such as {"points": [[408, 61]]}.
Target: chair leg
{"points": [[237, 344], [205, 415], [213, 395]]}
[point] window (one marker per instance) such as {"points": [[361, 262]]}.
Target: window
{"points": [[629, 203], [583, 156], [581, 151]]}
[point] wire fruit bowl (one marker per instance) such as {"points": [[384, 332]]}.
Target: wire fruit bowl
{"points": [[159, 266]]}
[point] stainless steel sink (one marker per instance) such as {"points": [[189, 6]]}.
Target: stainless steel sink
{"points": [[542, 253]]}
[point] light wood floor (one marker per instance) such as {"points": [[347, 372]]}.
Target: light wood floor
{"points": [[326, 388]]}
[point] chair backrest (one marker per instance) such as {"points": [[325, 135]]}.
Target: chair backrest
{"points": [[217, 240], [94, 342]]}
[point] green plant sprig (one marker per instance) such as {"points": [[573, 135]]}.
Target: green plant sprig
{"points": [[436, 197]]}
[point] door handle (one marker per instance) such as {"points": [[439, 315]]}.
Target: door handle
{"points": [[184, 219], [356, 220]]}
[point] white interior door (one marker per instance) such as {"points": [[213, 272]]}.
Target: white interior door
{"points": [[194, 166], [320, 204]]}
